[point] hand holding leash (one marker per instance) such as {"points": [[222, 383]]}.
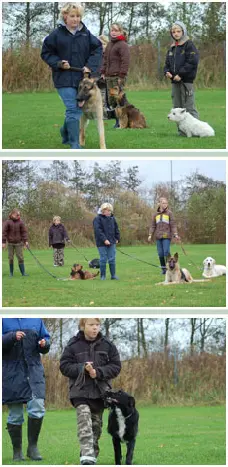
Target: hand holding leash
{"points": [[20, 335], [42, 342], [4, 245], [89, 368], [150, 239]]}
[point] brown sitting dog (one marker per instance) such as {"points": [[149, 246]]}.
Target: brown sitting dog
{"points": [[78, 273], [128, 115]]}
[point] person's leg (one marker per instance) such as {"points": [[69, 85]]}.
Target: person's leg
{"points": [[166, 247], [70, 129], [10, 257], [111, 83], [55, 256], [188, 99], [20, 257], [14, 426], [177, 100], [97, 430], [85, 435], [61, 256], [112, 261], [36, 411], [161, 254], [103, 260]]}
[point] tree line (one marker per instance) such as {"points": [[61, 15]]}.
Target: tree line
{"points": [[146, 23], [75, 193], [164, 361]]}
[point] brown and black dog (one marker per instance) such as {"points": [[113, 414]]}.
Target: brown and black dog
{"points": [[128, 115], [90, 101], [176, 275], [78, 274]]}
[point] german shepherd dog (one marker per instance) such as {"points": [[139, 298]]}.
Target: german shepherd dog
{"points": [[90, 101], [122, 423], [176, 275], [78, 274], [128, 115]]}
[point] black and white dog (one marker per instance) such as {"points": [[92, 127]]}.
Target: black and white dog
{"points": [[122, 423]]}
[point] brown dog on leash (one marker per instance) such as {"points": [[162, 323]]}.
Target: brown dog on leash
{"points": [[78, 274], [176, 275], [128, 115], [90, 101]]}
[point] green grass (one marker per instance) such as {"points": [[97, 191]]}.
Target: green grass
{"points": [[136, 287], [167, 436], [33, 120]]}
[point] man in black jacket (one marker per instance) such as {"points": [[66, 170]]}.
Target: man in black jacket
{"points": [[90, 361]]}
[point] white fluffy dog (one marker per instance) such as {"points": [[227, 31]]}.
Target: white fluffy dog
{"points": [[211, 269], [189, 124]]}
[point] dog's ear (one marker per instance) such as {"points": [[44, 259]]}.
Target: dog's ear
{"points": [[131, 402], [176, 256], [183, 110]]}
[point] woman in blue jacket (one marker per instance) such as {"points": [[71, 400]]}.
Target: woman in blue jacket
{"points": [[71, 44], [23, 380], [107, 235]]}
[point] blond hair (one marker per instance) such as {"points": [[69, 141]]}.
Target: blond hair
{"points": [[106, 206], [82, 322], [67, 7], [104, 40], [56, 218]]}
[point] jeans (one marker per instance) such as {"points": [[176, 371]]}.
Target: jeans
{"points": [[107, 253], [70, 129], [163, 247], [35, 409]]}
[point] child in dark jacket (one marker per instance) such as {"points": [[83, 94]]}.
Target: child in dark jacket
{"points": [[71, 44], [90, 361], [15, 233], [107, 235], [57, 237], [181, 67]]}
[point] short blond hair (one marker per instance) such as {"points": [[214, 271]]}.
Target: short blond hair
{"points": [[82, 322], [56, 218], [104, 40], [106, 206], [67, 7]]}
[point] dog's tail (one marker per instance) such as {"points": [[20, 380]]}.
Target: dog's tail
{"points": [[201, 280], [96, 274]]}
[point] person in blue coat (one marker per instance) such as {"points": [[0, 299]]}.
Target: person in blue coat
{"points": [[71, 44], [107, 235], [23, 380]]}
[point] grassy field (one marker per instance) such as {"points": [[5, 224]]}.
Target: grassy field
{"points": [[32, 121], [167, 436], [136, 287]]}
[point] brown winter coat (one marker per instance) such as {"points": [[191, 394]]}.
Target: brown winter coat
{"points": [[116, 59], [163, 224], [14, 231]]}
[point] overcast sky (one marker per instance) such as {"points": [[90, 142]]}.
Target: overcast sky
{"points": [[154, 171]]}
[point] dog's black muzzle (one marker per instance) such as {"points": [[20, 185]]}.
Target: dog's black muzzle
{"points": [[172, 265], [82, 97]]}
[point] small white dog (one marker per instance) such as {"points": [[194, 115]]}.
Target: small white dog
{"points": [[189, 124], [211, 269]]}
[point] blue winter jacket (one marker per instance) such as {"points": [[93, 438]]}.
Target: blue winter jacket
{"points": [[105, 228], [22, 369], [79, 49]]}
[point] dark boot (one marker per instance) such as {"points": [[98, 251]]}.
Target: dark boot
{"points": [[64, 133], [15, 432], [11, 267], [117, 125], [162, 263], [34, 427], [73, 133], [22, 269], [112, 268], [103, 271]]}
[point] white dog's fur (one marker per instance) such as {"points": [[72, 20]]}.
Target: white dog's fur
{"points": [[211, 269], [190, 125]]}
